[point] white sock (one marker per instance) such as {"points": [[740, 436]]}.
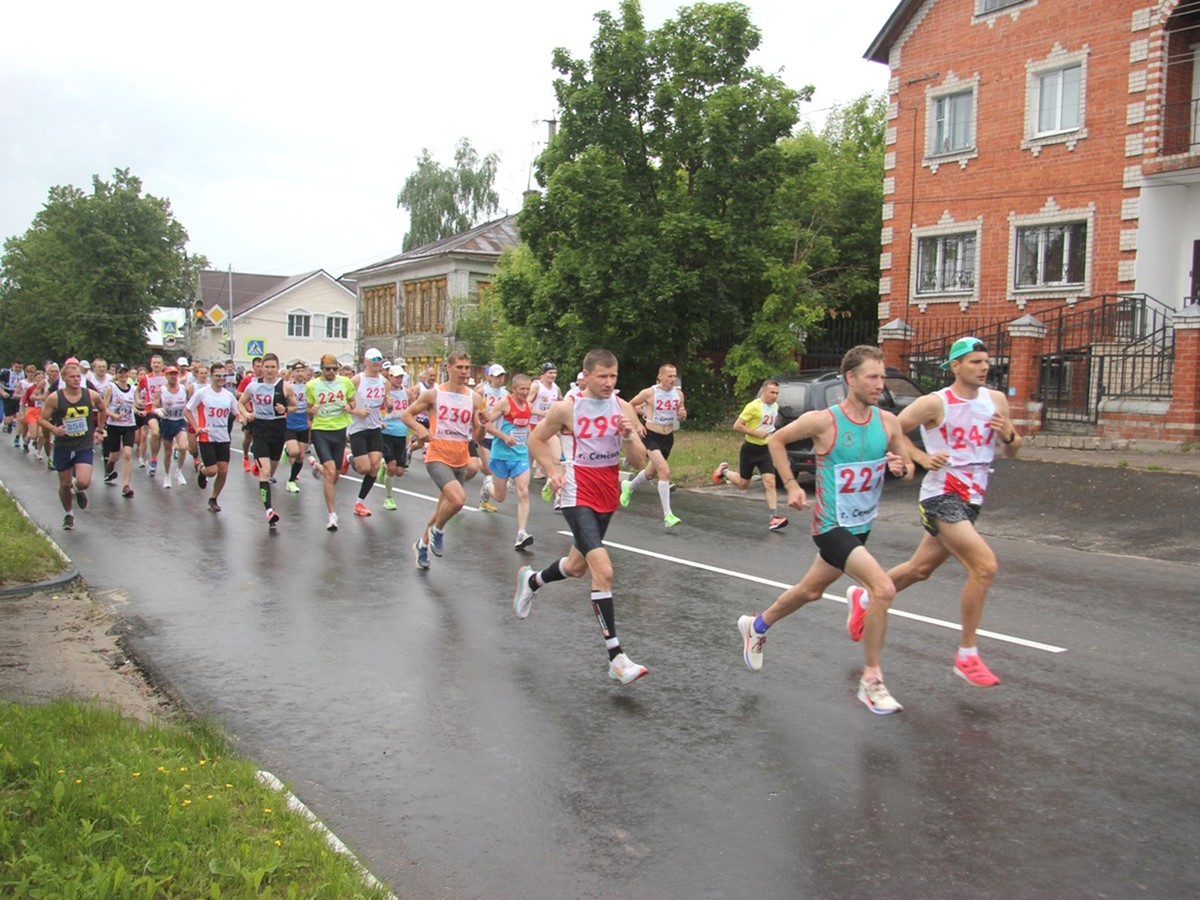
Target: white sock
{"points": [[965, 652], [664, 494], [639, 478]]}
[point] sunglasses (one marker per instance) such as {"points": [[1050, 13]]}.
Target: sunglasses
{"points": [[329, 368]]}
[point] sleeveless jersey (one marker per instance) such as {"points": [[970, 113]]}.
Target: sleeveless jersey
{"points": [[515, 422], [592, 479], [298, 420], [150, 385], [850, 475], [263, 398], [664, 410], [121, 406], [395, 403], [492, 395], [76, 419], [213, 411], [965, 434], [541, 398], [370, 395], [172, 403], [450, 428]]}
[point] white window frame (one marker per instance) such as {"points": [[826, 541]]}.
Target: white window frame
{"points": [[952, 86], [1051, 215], [1057, 62], [307, 316], [984, 8], [945, 228], [332, 318]]}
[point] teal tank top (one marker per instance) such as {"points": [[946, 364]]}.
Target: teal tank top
{"points": [[849, 478]]}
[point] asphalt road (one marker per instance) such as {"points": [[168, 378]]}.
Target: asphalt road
{"points": [[463, 753]]}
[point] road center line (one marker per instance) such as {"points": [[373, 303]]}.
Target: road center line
{"points": [[916, 617]]}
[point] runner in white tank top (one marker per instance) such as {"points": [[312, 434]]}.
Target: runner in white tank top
{"points": [[663, 408], [366, 427], [963, 425], [602, 424]]}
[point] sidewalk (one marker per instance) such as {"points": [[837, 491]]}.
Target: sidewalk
{"points": [[1184, 463]]}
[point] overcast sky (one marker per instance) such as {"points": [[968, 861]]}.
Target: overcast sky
{"points": [[281, 135]]}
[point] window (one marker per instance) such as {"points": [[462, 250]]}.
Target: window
{"points": [[425, 306], [1051, 255], [952, 123], [983, 7], [946, 263], [378, 304], [337, 327], [298, 325], [1058, 100]]}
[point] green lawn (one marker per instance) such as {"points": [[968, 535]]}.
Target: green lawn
{"points": [[25, 556]]}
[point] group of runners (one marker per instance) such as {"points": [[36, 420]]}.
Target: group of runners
{"points": [[376, 418]]}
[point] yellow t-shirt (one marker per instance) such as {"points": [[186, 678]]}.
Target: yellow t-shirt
{"points": [[759, 415]]}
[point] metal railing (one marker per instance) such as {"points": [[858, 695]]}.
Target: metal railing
{"points": [[927, 354], [1181, 127]]}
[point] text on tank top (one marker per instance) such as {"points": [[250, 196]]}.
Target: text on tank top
{"points": [[121, 406], [172, 403], [453, 417], [850, 475], [665, 407], [369, 395], [965, 434], [263, 397]]}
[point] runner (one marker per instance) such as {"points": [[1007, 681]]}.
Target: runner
{"points": [[210, 412], [543, 395], [663, 407], [67, 414], [962, 426], [492, 391], [171, 400], [149, 385], [296, 435], [454, 416], [10, 381], [426, 382], [395, 433], [30, 379], [201, 375], [121, 398], [266, 402], [53, 384], [508, 424], [576, 387], [600, 422], [757, 422], [99, 378], [366, 427], [330, 401], [855, 443], [255, 373], [35, 397]]}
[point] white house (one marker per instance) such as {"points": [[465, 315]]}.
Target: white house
{"points": [[297, 317]]}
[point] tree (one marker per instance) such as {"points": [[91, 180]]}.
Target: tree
{"points": [[444, 202], [657, 231], [87, 274]]}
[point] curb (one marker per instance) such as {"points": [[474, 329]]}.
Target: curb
{"points": [[296, 805], [69, 575]]}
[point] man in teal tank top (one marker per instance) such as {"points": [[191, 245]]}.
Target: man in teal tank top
{"points": [[856, 443]]}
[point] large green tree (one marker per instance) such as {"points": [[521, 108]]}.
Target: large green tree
{"points": [[85, 277], [657, 234], [443, 202]]}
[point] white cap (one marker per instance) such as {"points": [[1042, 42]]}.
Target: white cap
{"points": [[182, 361], [581, 376], [84, 364], [496, 369], [396, 370], [373, 354]]}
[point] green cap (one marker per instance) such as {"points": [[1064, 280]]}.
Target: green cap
{"points": [[962, 347]]}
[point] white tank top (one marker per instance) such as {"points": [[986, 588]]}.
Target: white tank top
{"points": [[542, 398], [455, 414], [665, 407], [121, 404], [966, 435], [369, 395], [262, 400], [173, 402]]}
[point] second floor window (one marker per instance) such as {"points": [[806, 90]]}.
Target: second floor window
{"points": [[337, 327], [299, 325], [1058, 97], [952, 122], [946, 263], [1051, 255]]}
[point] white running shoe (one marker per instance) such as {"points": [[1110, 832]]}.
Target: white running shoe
{"points": [[179, 479], [625, 670], [523, 598], [331, 525], [524, 539], [752, 644], [166, 484], [877, 698]]}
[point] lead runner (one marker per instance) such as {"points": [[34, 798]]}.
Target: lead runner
{"points": [[600, 423]]}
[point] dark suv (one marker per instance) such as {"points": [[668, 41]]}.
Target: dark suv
{"points": [[800, 392]]}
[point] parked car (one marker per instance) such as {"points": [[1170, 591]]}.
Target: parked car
{"points": [[801, 392]]}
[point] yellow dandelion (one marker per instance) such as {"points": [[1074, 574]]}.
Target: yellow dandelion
{"points": [[203, 761], [210, 796], [228, 785], [137, 774], [183, 768], [79, 781], [187, 802], [279, 843], [161, 769], [62, 771], [266, 810]]}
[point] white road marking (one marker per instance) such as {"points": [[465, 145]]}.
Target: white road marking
{"points": [[928, 620]]}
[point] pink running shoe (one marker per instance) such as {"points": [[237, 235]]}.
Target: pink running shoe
{"points": [[857, 615], [974, 671]]}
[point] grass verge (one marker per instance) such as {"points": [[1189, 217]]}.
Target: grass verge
{"points": [[25, 555], [697, 453], [95, 805]]}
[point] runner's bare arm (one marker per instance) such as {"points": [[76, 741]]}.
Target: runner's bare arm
{"points": [[924, 412], [635, 450], [1007, 440], [426, 401], [899, 458]]}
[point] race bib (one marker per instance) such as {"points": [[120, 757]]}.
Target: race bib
{"points": [[75, 427], [858, 488]]}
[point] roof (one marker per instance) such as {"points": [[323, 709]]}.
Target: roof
{"points": [[881, 47], [251, 291], [486, 241]]}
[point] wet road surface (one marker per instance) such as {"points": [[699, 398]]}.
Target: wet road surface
{"points": [[463, 753]]}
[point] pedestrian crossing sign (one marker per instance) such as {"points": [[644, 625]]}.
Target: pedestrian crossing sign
{"points": [[170, 328], [255, 347]]}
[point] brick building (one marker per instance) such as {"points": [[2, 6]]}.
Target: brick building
{"points": [[1042, 190]]}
